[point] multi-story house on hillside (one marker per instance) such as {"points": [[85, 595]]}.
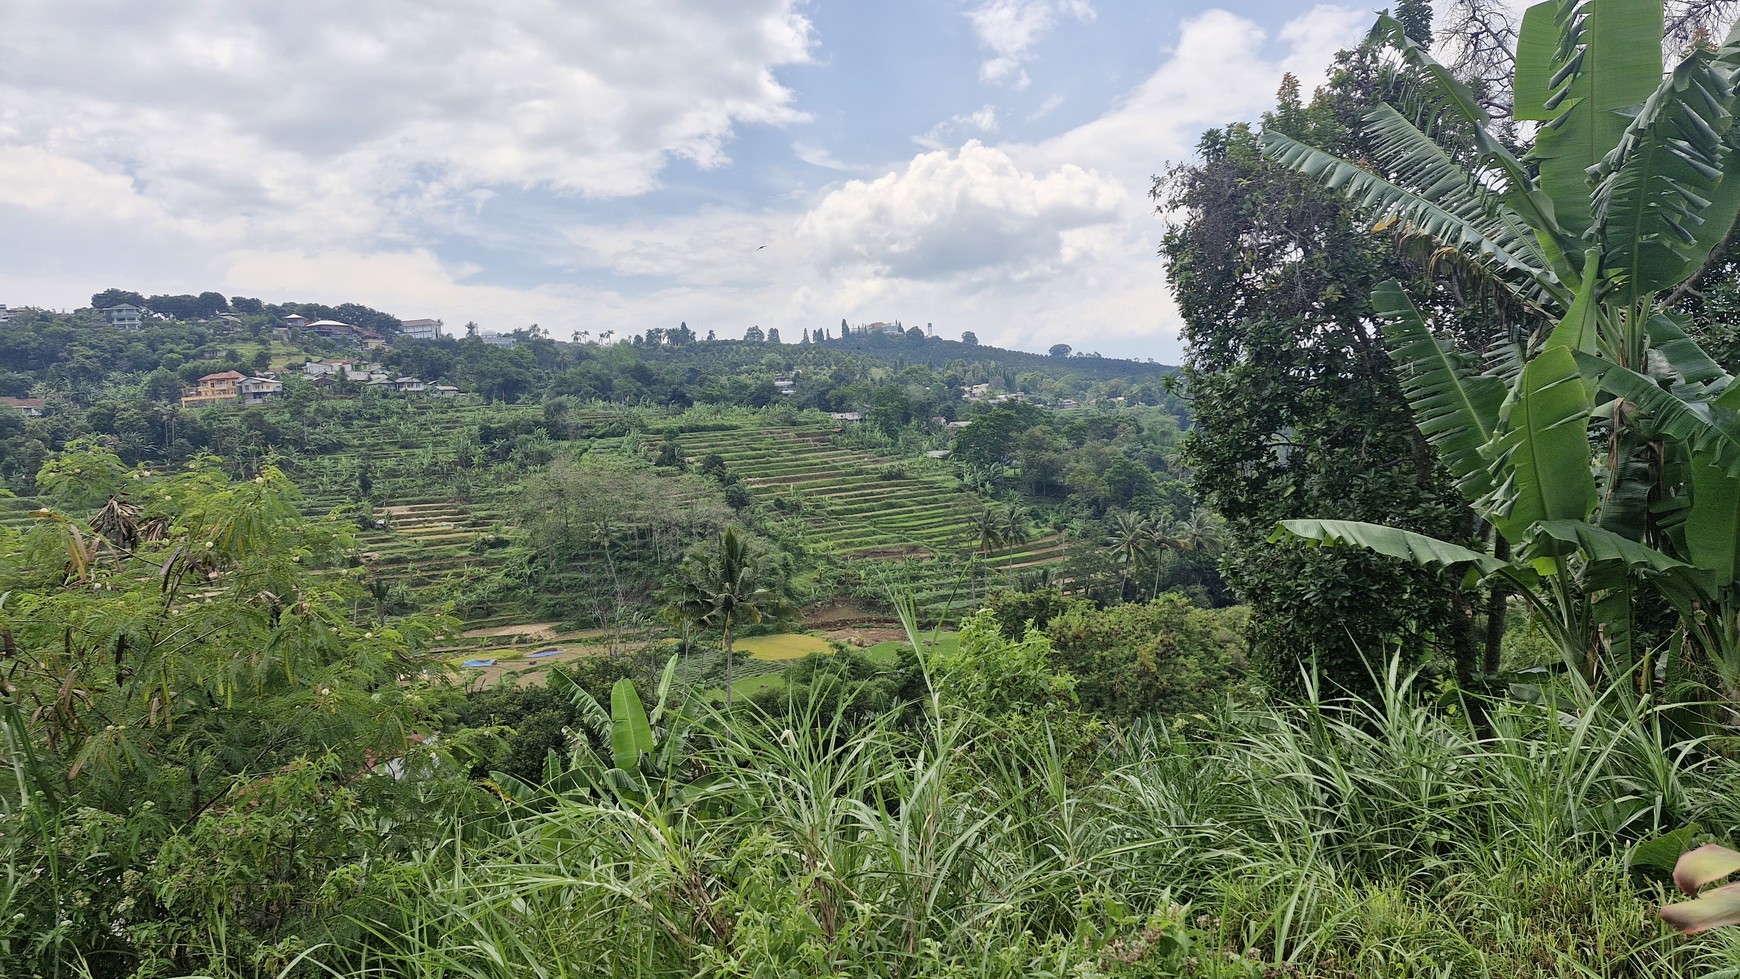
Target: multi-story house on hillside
{"points": [[213, 388], [420, 329], [255, 390], [124, 316]]}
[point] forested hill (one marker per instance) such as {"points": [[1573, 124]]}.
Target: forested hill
{"points": [[93, 378]]}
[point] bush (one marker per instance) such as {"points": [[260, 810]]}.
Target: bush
{"points": [[1165, 657]]}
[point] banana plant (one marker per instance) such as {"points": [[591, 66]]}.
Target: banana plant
{"points": [[643, 762], [1622, 198]]}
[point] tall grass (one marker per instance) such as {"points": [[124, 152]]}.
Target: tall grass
{"points": [[1353, 839]]}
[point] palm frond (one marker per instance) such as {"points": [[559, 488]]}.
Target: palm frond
{"points": [[1378, 198]]}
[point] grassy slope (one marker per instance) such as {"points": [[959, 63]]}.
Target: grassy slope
{"points": [[1314, 843]]}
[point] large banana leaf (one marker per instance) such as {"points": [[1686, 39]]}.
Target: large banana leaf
{"points": [[1377, 198], [1607, 60], [596, 718], [1457, 410], [1713, 522], [1606, 555], [1391, 542], [630, 735], [1520, 190], [1712, 438], [1667, 338], [1540, 462], [1414, 160], [1537, 42], [1580, 328], [1659, 205]]}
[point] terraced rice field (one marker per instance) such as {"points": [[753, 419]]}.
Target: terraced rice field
{"points": [[856, 504], [448, 515]]}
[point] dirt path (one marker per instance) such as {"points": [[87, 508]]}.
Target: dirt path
{"points": [[865, 637], [540, 631]]}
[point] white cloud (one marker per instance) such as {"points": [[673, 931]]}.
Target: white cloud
{"points": [[1030, 244], [817, 156], [982, 121], [1045, 108], [968, 214], [1011, 29], [340, 120]]}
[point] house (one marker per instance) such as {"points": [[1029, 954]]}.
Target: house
{"points": [[212, 388], [295, 321], [124, 316], [785, 385], [444, 391], [500, 340], [957, 426], [255, 390], [411, 384], [332, 330], [420, 329], [31, 407], [845, 416], [325, 368], [5, 314]]}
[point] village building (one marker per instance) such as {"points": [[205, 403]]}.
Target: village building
{"points": [[213, 388], [420, 329], [124, 316], [30, 407], [255, 390]]}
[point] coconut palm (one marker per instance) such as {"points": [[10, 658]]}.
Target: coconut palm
{"points": [[1017, 529], [988, 529], [1130, 542], [723, 588]]}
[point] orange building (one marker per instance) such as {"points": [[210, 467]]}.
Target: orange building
{"points": [[226, 386]]}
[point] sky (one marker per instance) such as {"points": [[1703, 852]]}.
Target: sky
{"points": [[600, 165]]}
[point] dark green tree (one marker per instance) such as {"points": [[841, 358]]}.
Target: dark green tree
{"points": [[1298, 412]]}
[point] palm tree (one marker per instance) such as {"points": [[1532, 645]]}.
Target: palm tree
{"points": [[1130, 542], [1162, 537], [988, 527], [723, 589], [1199, 533], [1016, 529]]}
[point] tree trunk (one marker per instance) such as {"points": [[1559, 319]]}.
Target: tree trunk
{"points": [[1496, 608], [730, 665]]}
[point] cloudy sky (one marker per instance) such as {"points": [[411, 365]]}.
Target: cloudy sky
{"points": [[605, 165]]}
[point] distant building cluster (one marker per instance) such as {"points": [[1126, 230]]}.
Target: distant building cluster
{"points": [[328, 372], [334, 330]]}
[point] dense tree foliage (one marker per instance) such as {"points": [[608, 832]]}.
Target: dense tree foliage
{"points": [[1298, 412]]}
